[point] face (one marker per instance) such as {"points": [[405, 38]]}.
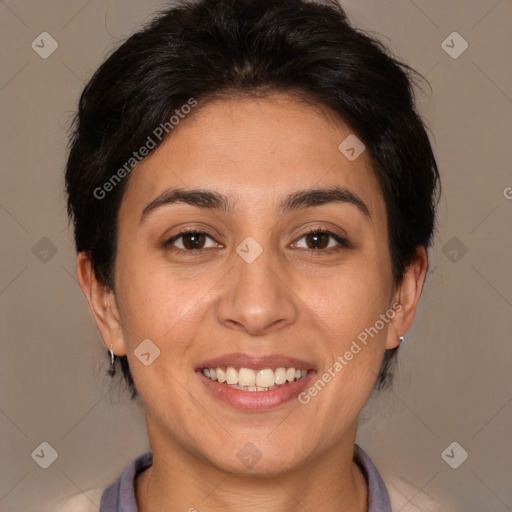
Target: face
{"points": [[273, 276]]}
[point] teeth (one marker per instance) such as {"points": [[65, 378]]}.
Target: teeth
{"points": [[231, 376], [280, 375], [265, 378], [221, 374], [248, 379]]}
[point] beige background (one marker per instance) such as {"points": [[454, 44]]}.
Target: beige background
{"points": [[454, 380]]}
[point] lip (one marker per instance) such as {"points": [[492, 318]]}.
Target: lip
{"points": [[255, 362], [255, 400]]}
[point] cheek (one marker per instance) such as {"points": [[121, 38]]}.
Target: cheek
{"points": [[351, 298], [162, 303], [349, 306]]}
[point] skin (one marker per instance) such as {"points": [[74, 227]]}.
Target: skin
{"points": [[293, 300]]}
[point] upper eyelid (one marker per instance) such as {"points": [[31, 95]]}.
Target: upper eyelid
{"points": [[325, 231], [341, 240], [181, 234]]}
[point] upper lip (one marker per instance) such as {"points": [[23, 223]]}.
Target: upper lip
{"points": [[242, 360]]}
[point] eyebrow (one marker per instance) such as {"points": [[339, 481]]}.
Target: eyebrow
{"points": [[212, 200]]}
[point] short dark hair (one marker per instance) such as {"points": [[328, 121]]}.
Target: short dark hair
{"points": [[208, 49]]}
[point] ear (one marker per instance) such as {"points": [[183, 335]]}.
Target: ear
{"points": [[102, 303], [406, 298]]}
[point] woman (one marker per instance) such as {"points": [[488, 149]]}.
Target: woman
{"points": [[253, 196]]}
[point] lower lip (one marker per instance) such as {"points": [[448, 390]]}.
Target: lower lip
{"points": [[256, 400]]}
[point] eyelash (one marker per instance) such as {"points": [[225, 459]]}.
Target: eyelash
{"points": [[343, 243]]}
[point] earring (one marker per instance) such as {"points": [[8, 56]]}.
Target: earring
{"points": [[112, 370], [401, 339]]}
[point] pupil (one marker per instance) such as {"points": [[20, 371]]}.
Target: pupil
{"points": [[192, 240], [317, 240]]}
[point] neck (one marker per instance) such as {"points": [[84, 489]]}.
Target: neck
{"points": [[180, 480]]}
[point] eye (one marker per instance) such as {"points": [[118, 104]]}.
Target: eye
{"points": [[321, 239], [192, 242], [189, 241]]}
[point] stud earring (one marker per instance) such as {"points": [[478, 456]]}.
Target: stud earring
{"points": [[112, 370], [401, 339]]}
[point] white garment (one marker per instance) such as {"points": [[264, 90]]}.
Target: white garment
{"points": [[88, 501], [407, 498]]}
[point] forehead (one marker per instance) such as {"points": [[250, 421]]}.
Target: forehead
{"points": [[254, 150]]}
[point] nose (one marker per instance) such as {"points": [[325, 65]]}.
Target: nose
{"points": [[256, 297]]}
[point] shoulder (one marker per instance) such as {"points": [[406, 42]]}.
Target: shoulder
{"points": [[402, 495], [87, 501]]}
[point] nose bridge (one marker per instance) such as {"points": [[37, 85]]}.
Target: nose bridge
{"points": [[256, 298]]}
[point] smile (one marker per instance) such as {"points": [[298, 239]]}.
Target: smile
{"points": [[253, 380]]}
